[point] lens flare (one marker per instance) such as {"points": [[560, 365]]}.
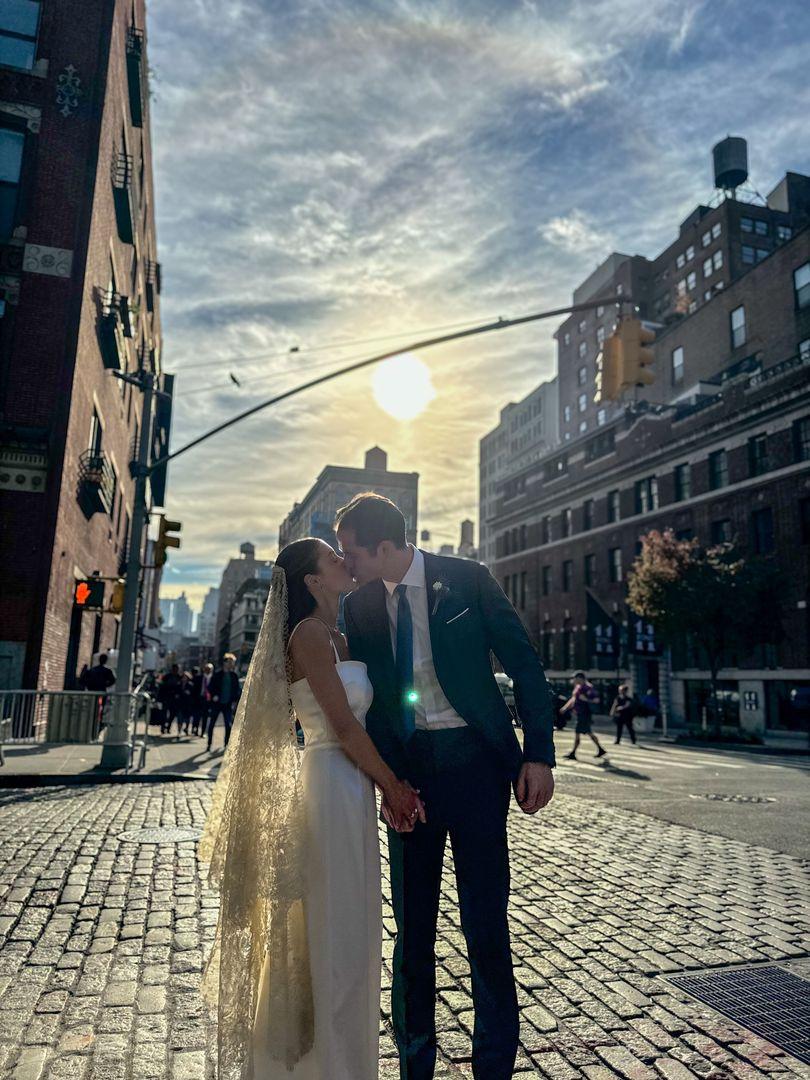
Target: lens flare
{"points": [[402, 386]]}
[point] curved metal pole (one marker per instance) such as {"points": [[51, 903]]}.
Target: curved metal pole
{"points": [[501, 324]]}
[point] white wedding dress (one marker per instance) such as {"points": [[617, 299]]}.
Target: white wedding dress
{"points": [[343, 900]]}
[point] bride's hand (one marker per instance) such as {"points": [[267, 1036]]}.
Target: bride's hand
{"points": [[402, 807]]}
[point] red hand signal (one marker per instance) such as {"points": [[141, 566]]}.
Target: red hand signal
{"points": [[82, 592]]}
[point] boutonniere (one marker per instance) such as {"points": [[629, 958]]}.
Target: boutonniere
{"points": [[440, 592]]}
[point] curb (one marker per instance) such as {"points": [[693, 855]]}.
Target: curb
{"points": [[33, 780]]}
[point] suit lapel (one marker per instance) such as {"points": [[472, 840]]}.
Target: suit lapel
{"points": [[432, 575], [378, 621]]}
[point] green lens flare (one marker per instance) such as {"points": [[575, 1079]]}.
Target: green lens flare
{"points": [[412, 697]]}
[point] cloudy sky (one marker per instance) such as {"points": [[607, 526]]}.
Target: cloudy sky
{"points": [[330, 175]]}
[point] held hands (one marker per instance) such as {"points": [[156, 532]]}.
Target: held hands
{"points": [[534, 786], [402, 807]]}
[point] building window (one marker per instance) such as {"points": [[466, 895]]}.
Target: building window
{"points": [[523, 537], [587, 514], [583, 426], [582, 325], [582, 376], [717, 228], [718, 469], [601, 416], [615, 564], [691, 280], [690, 252], [582, 402], [546, 581], [680, 261], [566, 339], [19, 22], [583, 349], [646, 495], [757, 455], [762, 253], [707, 268], [801, 439], [804, 520], [11, 152], [762, 530], [738, 336], [748, 254], [706, 239], [620, 289], [600, 336], [566, 518], [600, 311], [721, 531], [783, 232], [677, 366], [567, 414], [801, 283], [523, 590], [804, 349], [589, 569], [683, 482], [567, 575], [545, 530], [717, 259], [613, 505], [746, 225], [761, 227]]}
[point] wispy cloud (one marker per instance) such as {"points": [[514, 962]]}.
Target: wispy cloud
{"points": [[334, 172]]}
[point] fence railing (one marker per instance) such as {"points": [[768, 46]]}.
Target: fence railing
{"points": [[51, 717]]}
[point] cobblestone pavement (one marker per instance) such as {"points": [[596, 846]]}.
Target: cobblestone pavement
{"points": [[103, 942]]}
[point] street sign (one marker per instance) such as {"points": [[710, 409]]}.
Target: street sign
{"points": [[89, 593], [642, 637]]}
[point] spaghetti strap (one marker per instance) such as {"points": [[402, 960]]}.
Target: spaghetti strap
{"points": [[314, 618]]}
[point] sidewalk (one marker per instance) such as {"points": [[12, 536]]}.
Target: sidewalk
{"points": [[105, 920], [774, 742]]}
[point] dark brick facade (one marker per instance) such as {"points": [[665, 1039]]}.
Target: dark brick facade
{"points": [[83, 112], [560, 522]]}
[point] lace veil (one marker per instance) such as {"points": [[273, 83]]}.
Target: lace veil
{"points": [[254, 839]]}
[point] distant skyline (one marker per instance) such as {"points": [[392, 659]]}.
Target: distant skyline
{"points": [[345, 172]]}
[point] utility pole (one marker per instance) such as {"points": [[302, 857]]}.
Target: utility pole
{"points": [[115, 752]]}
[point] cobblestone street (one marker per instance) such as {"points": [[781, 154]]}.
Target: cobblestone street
{"points": [[103, 941]]}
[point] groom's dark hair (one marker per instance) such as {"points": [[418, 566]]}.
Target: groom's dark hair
{"points": [[372, 518]]}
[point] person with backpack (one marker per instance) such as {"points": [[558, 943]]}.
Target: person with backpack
{"points": [[580, 702]]}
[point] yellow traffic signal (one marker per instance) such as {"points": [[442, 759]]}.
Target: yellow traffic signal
{"points": [[609, 371], [165, 540], [117, 598], [636, 357]]}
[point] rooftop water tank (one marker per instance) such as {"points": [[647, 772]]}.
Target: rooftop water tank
{"points": [[730, 163]]}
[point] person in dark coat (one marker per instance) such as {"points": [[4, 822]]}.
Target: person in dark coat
{"points": [[225, 693], [171, 689], [201, 699], [98, 678], [623, 710]]}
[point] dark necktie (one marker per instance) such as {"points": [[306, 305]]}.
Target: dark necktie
{"points": [[404, 662]]}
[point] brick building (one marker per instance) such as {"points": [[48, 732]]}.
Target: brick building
{"points": [[338, 484], [79, 301], [717, 448]]}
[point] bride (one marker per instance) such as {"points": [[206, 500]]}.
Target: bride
{"points": [[293, 846]]}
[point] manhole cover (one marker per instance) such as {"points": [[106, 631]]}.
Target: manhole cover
{"points": [[769, 1001], [165, 835], [736, 798]]}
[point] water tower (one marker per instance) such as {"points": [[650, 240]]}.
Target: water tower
{"points": [[730, 164]]}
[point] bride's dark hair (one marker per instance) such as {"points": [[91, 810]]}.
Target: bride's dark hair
{"points": [[297, 560]]}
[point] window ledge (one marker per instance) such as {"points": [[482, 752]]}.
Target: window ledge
{"points": [[38, 71]]}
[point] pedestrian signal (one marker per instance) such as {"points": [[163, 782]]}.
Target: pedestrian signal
{"points": [[117, 598], [89, 593], [165, 539]]}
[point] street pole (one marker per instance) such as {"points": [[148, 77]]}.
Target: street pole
{"points": [[115, 752]]}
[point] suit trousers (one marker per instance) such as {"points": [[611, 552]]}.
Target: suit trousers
{"points": [[466, 791]]}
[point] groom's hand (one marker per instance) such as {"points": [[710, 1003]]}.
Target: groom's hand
{"points": [[534, 786]]}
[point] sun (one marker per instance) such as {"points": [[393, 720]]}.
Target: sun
{"points": [[402, 386]]}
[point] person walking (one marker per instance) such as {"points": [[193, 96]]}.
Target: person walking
{"points": [[200, 699], [171, 686], [623, 710], [225, 693], [98, 679], [186, 701], [583, 696]]}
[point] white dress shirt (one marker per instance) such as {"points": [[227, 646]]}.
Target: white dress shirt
{"points": [[432, 711]]}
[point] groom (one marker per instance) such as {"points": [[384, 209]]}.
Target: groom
{"points": [[425, 626]]}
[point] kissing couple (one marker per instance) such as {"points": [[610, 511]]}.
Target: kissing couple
{"points": [[405, 702]]}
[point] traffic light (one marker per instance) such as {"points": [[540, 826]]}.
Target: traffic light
{"points": [[89, 593], [117, 598], [636, 357], [609, 371], [165, 540]]}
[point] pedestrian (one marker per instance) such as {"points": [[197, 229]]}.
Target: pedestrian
{"points": [[225, 693], [169, 696], [623, 710], [650, 705], [98, 678], [201, 699], [583, 696], [186, 701]]}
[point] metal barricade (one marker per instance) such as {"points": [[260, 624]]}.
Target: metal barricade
{"points": [[60, 717]]}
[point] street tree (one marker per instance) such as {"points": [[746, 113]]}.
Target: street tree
{"points": [[719, 599]]}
